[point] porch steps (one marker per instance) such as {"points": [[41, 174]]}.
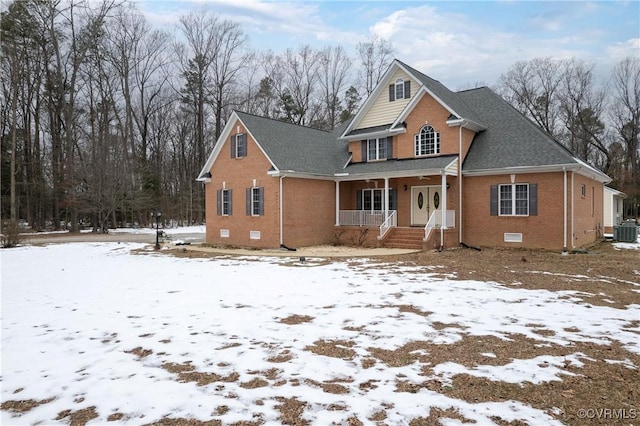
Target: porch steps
{"points": [[406, 238]]}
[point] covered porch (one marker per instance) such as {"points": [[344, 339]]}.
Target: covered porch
{"points": [[425, 199]]}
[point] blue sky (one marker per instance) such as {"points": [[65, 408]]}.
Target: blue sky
{"points": [[457, 42]]}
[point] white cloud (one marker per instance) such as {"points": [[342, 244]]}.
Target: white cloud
{"points": [[619, 51]]}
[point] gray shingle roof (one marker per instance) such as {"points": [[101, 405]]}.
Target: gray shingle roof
{"points": [[511, 139], [298, 148], [414, 165], [452, 99]]}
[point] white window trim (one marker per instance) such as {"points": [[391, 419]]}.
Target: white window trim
{"points": [[255, 192], [513, 199], [223, 193], [399, 83], [237, 153], [379, 143], [419, 143]]}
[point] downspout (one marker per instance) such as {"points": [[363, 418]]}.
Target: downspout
{"points": [[281, 213], [443, 209], [564, 220], [573, 173], [337, 203], [460, 184]]}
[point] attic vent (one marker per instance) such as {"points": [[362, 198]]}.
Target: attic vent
{"points": [[512, 237]]}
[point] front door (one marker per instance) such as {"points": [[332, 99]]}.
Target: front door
{"points": [[424, 200]]}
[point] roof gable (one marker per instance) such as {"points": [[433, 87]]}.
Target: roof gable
{"points": [[378, 112], [288, 147]]}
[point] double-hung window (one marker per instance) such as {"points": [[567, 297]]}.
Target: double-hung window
{"points": [[372, 199], [515, 199], [377, 149], [224, 202], [399, 86], [239, 145], [255, 201], [401, 89], [427, 141]]}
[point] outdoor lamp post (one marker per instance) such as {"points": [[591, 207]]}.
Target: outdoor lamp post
{"points": [[158, 214]]}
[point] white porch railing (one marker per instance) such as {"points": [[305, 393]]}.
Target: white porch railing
{"points": [[390, 222], [436, 221], [362, 217]]}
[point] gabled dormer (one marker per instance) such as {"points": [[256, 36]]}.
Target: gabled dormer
{"points": [[410, 115]]}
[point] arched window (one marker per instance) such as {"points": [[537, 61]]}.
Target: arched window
{"points": [[427, 141]]}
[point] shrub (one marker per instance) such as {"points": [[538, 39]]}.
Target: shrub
{"points": [[10, 236]]}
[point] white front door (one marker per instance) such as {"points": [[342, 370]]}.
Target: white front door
{"points": [[424, 200]]}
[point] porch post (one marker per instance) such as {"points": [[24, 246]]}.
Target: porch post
{"points": [[386, 198], [443, 210], [337, 203], [444, 200]]}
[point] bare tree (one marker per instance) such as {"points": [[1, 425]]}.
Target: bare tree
{"points": [[532, 87], [335, 67], [625, 116], [376, 55], [582, 107]]}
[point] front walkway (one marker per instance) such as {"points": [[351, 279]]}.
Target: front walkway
{"points": [[315, 251]]}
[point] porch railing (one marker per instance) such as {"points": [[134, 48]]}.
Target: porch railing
{"points": [[390, 222], [362, 217], [437, 219]]}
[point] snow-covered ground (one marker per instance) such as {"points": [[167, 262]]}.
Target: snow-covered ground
{"points": [[97, 325]]}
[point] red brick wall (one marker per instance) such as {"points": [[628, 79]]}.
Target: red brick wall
{"points": [[542, 231], [428, 111], [588, 215], [238, 174], [309, 212]]}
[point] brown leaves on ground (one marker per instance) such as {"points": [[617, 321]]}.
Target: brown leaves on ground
{"points": [[22, 406]]}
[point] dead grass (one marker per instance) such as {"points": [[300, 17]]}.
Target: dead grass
{"points": [[607, 380], [296, 319]]}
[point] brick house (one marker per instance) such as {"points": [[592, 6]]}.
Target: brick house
{"points": [[418, 166]]}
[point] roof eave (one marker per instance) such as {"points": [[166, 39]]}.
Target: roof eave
{"points": [[571, 167], [387, 132], [467, 124]]}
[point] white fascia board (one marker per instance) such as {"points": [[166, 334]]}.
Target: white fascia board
{"points": [[343, 177], [300, 175], [366, 106], [518, 170], [592, 172], [524, 169], [226, 132], [467, 124], [379, 133], [615, 192]]}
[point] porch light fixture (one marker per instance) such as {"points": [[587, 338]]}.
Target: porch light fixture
{"points": [[448, 185], [405, 186]]}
